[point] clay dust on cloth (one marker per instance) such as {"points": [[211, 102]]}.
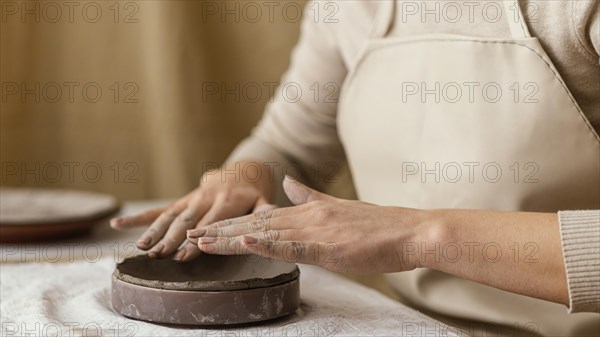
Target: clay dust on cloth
{"points": [[73, 299]]}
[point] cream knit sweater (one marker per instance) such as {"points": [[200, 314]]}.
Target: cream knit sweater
{"points": [[299, 128]]}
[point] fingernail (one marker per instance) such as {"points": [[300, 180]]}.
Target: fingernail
{"points": [[115, 222], [287, 177], [204, 241], [249, 240], [144, 241], [180, 255], [155, 252], [196, 233]]}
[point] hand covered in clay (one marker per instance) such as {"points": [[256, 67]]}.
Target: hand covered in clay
{"points": [[340, 235], [218, 197]]}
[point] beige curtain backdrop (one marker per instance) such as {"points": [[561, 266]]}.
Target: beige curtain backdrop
{"points": [[134, 98]]}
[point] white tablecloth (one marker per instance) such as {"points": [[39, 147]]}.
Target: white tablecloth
{"points": [[70, 296]]}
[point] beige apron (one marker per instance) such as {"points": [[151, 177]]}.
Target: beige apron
{"points": [[467, 122]]}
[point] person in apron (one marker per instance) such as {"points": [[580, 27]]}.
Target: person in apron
{"points": [[465, 193]]}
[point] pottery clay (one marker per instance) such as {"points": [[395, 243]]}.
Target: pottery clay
{"points": [[210, 290]]}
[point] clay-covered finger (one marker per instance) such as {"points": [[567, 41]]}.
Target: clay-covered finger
{"points": [[157, 229], [233, 245], [219, 211], [260, 225], [221, 245], [280, 235], [267, 214], [171, 238], [187, 252], [176, 232], [232, 230], [255, 219], [144, 218], [160, 224], [291, 251], [216, 213]]}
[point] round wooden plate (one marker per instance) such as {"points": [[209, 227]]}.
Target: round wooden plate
{"points": [[28, 214]]}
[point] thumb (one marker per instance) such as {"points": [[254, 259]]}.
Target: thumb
{"points": [[299, 193]]}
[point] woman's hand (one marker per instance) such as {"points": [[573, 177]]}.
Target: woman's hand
{"points": [[340, 235], [519, 252], [218, 197]]}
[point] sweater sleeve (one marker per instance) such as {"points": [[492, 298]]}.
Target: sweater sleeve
{"points": [[580, 233], [298, 129], [580, 230]]}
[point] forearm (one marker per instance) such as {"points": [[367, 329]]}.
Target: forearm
{"points": [[515, 251]]}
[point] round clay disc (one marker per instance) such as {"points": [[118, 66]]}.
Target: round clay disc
{"points": [[207, 272], [28, 214], [212, 290]]}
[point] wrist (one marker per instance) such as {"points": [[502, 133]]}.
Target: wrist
{"points": [[432, 231]]}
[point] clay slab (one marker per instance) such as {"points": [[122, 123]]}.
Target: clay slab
{"points": [[212, 290], [207, 272]]}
